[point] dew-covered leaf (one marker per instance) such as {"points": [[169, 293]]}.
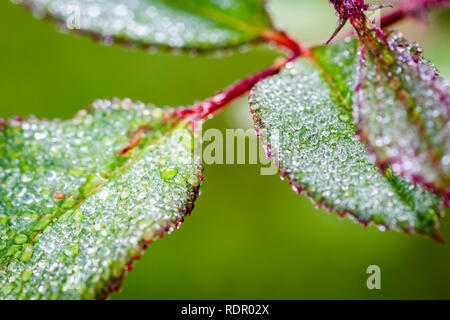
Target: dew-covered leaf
{"points": [[402, 109], [80, 199], [304, 114], [186, 24]]}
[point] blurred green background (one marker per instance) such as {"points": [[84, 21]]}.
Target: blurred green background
{"points": [[250, 236]]}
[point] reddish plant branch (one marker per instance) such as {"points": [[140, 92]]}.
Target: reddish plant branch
{"points": [[211, 105], [408, 8], [204, 109], [208, 107]]}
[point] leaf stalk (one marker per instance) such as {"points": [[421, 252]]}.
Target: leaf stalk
{"points": [[210, 106]]}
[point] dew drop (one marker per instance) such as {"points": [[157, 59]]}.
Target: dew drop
{"points": [[20, 239], [26, 274], [194, 180], [3, 219], [169, 173]]}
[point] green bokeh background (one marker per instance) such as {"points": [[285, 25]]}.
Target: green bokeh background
{"points": [[250, 236]]}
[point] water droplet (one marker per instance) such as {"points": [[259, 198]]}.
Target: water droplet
{"points": [[71, 250], [59, 195], [194, 180], [124, 194], [103, 194], [20, 239], [27, 253], [26, 274], [169, 173], [3, 219]]}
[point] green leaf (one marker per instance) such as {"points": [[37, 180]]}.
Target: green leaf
{"points": [[304, 114], [80, 199], [403, 111], [185, 24]]}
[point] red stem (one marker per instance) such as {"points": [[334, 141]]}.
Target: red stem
{"points": [[411, 8], [208, 107], [408, 8], [211, 105]]}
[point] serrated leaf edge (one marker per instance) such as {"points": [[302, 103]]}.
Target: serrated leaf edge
{"points": [[384, 163], [149, 47], [115, 282], [284, 173]]}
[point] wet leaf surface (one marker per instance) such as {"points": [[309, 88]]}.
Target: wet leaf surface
{"points": [[185, 24], [403, 111], [304, 114], [80, 199]]}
